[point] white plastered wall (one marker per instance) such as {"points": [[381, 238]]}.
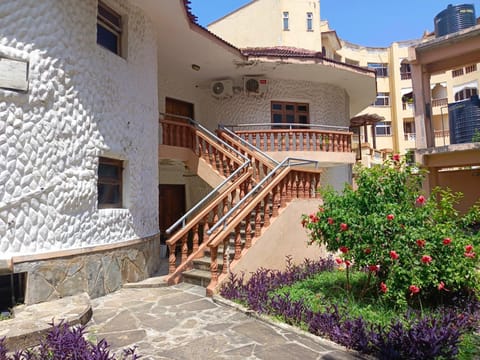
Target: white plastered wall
{"points": [[83, 102]]}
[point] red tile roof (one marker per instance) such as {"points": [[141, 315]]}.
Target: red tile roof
{"points": [[282, 51]]}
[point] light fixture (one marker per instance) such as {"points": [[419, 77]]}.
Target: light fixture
{"points": [[195, 67]]}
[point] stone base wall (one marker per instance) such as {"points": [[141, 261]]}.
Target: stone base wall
{"points": [[96, 271]]}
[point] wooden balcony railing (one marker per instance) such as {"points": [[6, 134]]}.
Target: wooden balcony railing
{"points": [[184, 134], [439, 102], [298, 140], [247, 224]]}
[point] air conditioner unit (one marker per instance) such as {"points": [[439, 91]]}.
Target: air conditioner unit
{"points": [[222, 88], [255, 85]]}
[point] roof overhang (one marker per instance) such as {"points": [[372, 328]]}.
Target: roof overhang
{"points": [[182, 43]]}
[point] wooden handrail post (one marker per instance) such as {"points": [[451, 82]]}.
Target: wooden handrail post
{"points": [[238, 243]]}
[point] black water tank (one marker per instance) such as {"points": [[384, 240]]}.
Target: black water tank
{"points": [[464, 120], [454, 18]]}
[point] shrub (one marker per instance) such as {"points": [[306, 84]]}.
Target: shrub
{"points": [[64, 342], [416, 249]]}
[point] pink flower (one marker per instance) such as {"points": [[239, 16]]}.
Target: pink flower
{"points": [[373, 268], [470, 255], [343, 227], [330, 221], [394, 255], [421, 200], [447, 241], [396, 157], [421, 243], [414, 290], [339, 261], [314, 218], [383, 287], [367, 251], [348, 263], [441, 286], [468, 248], [390, 217], [426, 259], [343, 249]]}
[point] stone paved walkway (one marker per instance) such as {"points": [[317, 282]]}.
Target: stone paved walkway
{"points": [[179, 322]]}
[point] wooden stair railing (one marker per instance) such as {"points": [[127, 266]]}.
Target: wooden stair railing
{"points": [[288, 184], [184, 134], [196, 229]]}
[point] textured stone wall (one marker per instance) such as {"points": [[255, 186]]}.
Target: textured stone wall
{"points": [[83, 102], [96, 273]]}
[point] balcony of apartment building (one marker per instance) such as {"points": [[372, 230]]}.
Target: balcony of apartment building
{"points": [[454, 163]]}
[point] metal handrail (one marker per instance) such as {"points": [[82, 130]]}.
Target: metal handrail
{"points": [[246, 143], [284, 163], [290, 126], [207, 197]]}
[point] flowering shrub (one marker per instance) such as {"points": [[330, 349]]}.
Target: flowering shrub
{"points": [[64, 342], [415, 247]]}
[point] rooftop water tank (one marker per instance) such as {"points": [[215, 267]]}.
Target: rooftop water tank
{"points": [[454, 18]]}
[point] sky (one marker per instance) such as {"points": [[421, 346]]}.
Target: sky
{"points": [[364, 22]]}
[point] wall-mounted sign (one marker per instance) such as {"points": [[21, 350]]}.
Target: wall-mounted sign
{"points": [[13, 74]]}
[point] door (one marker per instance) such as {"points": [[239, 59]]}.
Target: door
{"points": [[178, 107], [171, 206]]}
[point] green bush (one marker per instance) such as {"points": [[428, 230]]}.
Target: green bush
{"points": [[413, 248]]}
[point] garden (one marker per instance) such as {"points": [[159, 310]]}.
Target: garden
{"points": [[403, 280]]}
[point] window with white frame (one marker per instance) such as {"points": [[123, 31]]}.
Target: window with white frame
{"points": [[381, 69], [109, 29], [285, 20], [309, 21], [383, 128], [465, 93], [382, 99]]}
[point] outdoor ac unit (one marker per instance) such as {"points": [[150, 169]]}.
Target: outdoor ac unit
{"points": [[222, 88], [255, 85]]}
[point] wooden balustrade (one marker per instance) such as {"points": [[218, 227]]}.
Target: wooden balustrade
{"points": [[298, 140], [196, 229], [265, 207]]}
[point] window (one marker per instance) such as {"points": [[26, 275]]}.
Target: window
{"points": [[309, 21], [380, 68], [383, 99], [352, 62], [109, 29], [289, 113], [285, 20], [109, 183], [405, 71], [457, 72], [466, 93], [383, 128], [470, 68]]}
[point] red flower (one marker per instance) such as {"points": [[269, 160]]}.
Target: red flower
{"points": [[367, 251], [396, 157], [373, 268], [447, 241], [421, 200], [343, 249], [441, 286], [314, 218], [304, 222], [321, 209], [421, 243], [339, 261], [348, 263], [470, 255], [468, 248], [390, 217], [426, 259], [343, 227], [383, 287], [330, 221], [394, 255], [414, 290]]}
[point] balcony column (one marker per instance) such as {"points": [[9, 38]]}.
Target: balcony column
{"points": [[424, 137]]}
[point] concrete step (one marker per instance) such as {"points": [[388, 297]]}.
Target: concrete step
{"points": [[197, 277]]}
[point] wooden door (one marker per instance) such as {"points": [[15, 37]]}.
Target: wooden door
{"points": [[171, 206], [178, 107]]}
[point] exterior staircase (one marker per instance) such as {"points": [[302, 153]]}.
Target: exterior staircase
{"points": [[214, 235]]}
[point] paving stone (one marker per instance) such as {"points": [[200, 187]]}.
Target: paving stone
{"points": [[285, 351]]}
